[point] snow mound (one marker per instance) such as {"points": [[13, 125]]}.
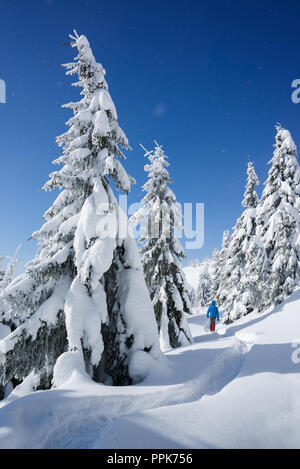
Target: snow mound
{"points": [[66, 365]]}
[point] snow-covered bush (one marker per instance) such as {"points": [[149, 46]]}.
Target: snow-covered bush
{"points": [[161, 253], [84, 291]]}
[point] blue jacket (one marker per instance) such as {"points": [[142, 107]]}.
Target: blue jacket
{"points": [[213, 311]]}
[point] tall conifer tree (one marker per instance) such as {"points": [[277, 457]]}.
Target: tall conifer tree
{"points": [[278, 218], [83, 299], [161, 253]]}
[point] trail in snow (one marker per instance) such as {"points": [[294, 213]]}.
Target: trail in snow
{"points": [[80, 431], [199, 372], [76, 417], [260, 408], [84, 414]]}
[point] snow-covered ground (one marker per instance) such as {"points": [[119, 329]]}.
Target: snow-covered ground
{"points": [[236, 388]]}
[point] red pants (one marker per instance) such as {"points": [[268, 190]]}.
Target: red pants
{"points": [[212, 325]]}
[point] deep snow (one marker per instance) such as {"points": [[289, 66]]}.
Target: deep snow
{"points": [[236, 388]]}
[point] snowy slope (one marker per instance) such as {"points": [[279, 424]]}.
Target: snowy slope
{"points": [[236, 388], [192, 272]]}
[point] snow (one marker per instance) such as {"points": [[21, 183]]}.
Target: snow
{"points": [[101, 124], [84, 316], [140, 365], [106, 103], [46, 313], [236, 388], [192, 273], [137, 304], [66, 367], [112, 166], [4, 331]]}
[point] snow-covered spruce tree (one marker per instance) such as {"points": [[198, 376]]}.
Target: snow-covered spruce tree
{"points": [[84, 293], [217, 267], [192, 296], [252, 285], [6, 274], [161, 253], [250, 196], [2, 275], [203, 292], [220, 269], [245, 266], [214, 273], [2, 271], [278, 218]]}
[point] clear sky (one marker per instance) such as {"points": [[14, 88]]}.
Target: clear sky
{"points": [[208, 80]]}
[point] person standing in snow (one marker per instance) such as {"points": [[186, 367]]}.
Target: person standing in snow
{"points": [[213, 314]]}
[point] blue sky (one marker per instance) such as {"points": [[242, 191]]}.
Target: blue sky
{"points": [[208, 80]]}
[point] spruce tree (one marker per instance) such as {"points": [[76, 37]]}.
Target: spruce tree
{"points": [[203, 292], [2, 275], [215, 261], [243, 284], [250, 196], [278, 218], [220, 270], [161, 253], [2, 271], [192, 296], [83, 299], [6, 273]]}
